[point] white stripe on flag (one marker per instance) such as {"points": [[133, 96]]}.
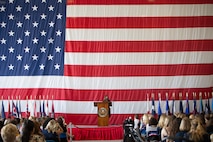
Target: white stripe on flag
{"points": [[157, 82], [141, 58], [139, 34], [139, 10]]}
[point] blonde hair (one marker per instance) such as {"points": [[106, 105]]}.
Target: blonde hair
{"points": [[167, 121], [9, 132], [197, 131], [211, 137], [185, 124], [191, 116], [181, 115], [161, 120], [53, 126], [145, 119]]}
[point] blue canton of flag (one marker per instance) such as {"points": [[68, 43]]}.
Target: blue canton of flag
{"points": [[32, 37]]}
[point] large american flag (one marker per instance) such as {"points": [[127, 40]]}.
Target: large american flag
{"points": [[78, 51]]}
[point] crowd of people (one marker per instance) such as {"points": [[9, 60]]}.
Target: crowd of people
{"points": [[33, 129], [171, 128]]}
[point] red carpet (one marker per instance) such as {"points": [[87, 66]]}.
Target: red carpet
{"points": [[113, 132]]}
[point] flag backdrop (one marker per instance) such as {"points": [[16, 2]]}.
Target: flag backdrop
{"points": [[81, 50]]}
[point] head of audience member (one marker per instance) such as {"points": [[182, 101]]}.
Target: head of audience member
{"points": [[197, 131], [191, 116], [46, 121], [185, 124], [200, 118], [54, 127], [153, 121], [211, 137], [37, 129], [145, 119], [9, 133], [168, 119], [27, 130], [180, 115], [208, 120], [173, 127], [161, 120], [62, 123]]}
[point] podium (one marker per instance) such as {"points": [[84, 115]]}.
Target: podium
{"points": [[103, 112]]}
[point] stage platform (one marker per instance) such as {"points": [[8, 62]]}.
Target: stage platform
{"points": [[85, 132]]}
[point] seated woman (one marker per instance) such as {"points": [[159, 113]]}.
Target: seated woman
{"points": [[27, 133], [64, 135], [197, 132], [52, 131], [9, 133], [152, 131], [184, 128], [143, 124]]}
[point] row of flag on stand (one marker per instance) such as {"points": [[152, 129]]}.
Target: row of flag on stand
{"points": [[208, 108], [15, 109]]}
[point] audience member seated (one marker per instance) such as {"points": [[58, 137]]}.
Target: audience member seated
{"points": [[52, 131], [197, 132], [9, 133], [184, 128], [28, 135], [136, 121], [64, 135], [1, 126], [152, 131], [161, 123], [173, 128], [144, 123], [209, 124], [164, 131]]}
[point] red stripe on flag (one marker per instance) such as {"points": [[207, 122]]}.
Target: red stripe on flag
{"points": [[98, 95], [138, 46], [139, 22], [137, 70], [108, 2]]}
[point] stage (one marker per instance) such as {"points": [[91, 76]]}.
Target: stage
{"points": [[85, 132]]}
